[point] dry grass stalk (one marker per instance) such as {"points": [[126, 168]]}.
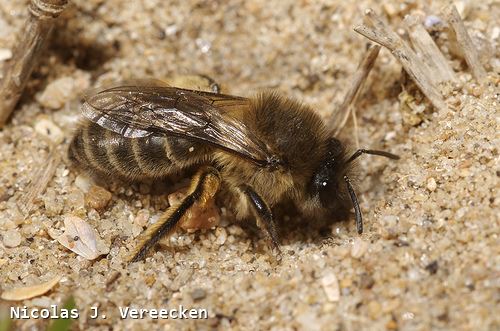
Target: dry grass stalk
{"points": [[463, 39], [380, 33], [32, 40], [339, 117], [428, 51]]}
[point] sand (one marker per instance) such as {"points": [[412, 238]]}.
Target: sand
{"points": [[429, 256]]}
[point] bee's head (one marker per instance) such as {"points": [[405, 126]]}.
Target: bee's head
{"points": [[331, 185]]}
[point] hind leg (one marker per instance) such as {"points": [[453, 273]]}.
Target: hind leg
{"points": [[204, 185]]}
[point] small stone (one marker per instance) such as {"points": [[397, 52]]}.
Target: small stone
{"points": [[331, 287], [198, 294], [221, 234], [62, 90], [97, 197], [432, 267], [142, 217], [359, 248], [54, 233], [75, 200], [389, 9], [53, 205], [48, 129], [5, 54], [83, 182], [12, 238], [374, 309], [346, 282], [366, 281], [392, 325], [431, 184]]}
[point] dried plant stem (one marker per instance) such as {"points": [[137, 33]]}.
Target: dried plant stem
{"points": [[39, 182], [463, 39], [416, 68], [355, 125], [31, 43], [428, 51], [340, 116]]}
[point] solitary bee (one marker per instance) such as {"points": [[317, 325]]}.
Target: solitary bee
{"points": [[258, 151]]}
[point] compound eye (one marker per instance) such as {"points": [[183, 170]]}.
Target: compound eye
{"points": [[324, 190], [323, 187]]}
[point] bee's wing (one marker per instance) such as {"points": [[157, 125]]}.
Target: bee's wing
{"points": [[144, 108]]}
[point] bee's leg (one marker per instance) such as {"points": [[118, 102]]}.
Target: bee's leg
{"points": [[204, 185], [264, 214]]}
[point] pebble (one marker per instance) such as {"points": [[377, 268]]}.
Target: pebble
{"points": [[48, 129], [374, 309], [431, 184], [54, 233], [75, 199], [12, 238], [359, 248], [142, 217], [198, 294], [97, 197], [51, 202], [366, 281], [5, 54], [63, 89], [221, 234], [331, 286], [83, 182]]}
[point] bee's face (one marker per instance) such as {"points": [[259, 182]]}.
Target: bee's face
{"points": [[327, 184]]}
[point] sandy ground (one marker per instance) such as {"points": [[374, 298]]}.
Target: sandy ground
{"points": [[429, 257]]}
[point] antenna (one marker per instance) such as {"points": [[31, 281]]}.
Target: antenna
{"points": [[352, 194], [362, 151], [355, 203]]}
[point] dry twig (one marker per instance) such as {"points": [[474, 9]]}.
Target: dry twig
{"points": [[429, 52], [339, 118], [463, 39], [33, 38], [416, 68]]}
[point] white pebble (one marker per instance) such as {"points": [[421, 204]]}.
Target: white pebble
{"points": [[83, 182], [331, 286], [57, 93], [48, 129], [12, 238], [431, 184], [5, 54], [142, 217], [64, 89], [359, 248], [221, 234]]}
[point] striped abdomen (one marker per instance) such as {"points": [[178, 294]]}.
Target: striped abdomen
{"points": [[104, 152]]}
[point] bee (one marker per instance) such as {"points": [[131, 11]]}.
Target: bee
{"points": [[255, 151]]}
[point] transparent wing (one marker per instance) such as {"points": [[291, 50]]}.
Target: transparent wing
{"points": [[146, 107]]}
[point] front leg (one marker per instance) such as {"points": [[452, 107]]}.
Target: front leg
{"points": [[263, 213], [204, 185]]}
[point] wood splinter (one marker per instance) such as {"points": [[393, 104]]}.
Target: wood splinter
{"points": [[339, 117], [379, 32], [465, 42], [36, 32], [428, 51]]}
